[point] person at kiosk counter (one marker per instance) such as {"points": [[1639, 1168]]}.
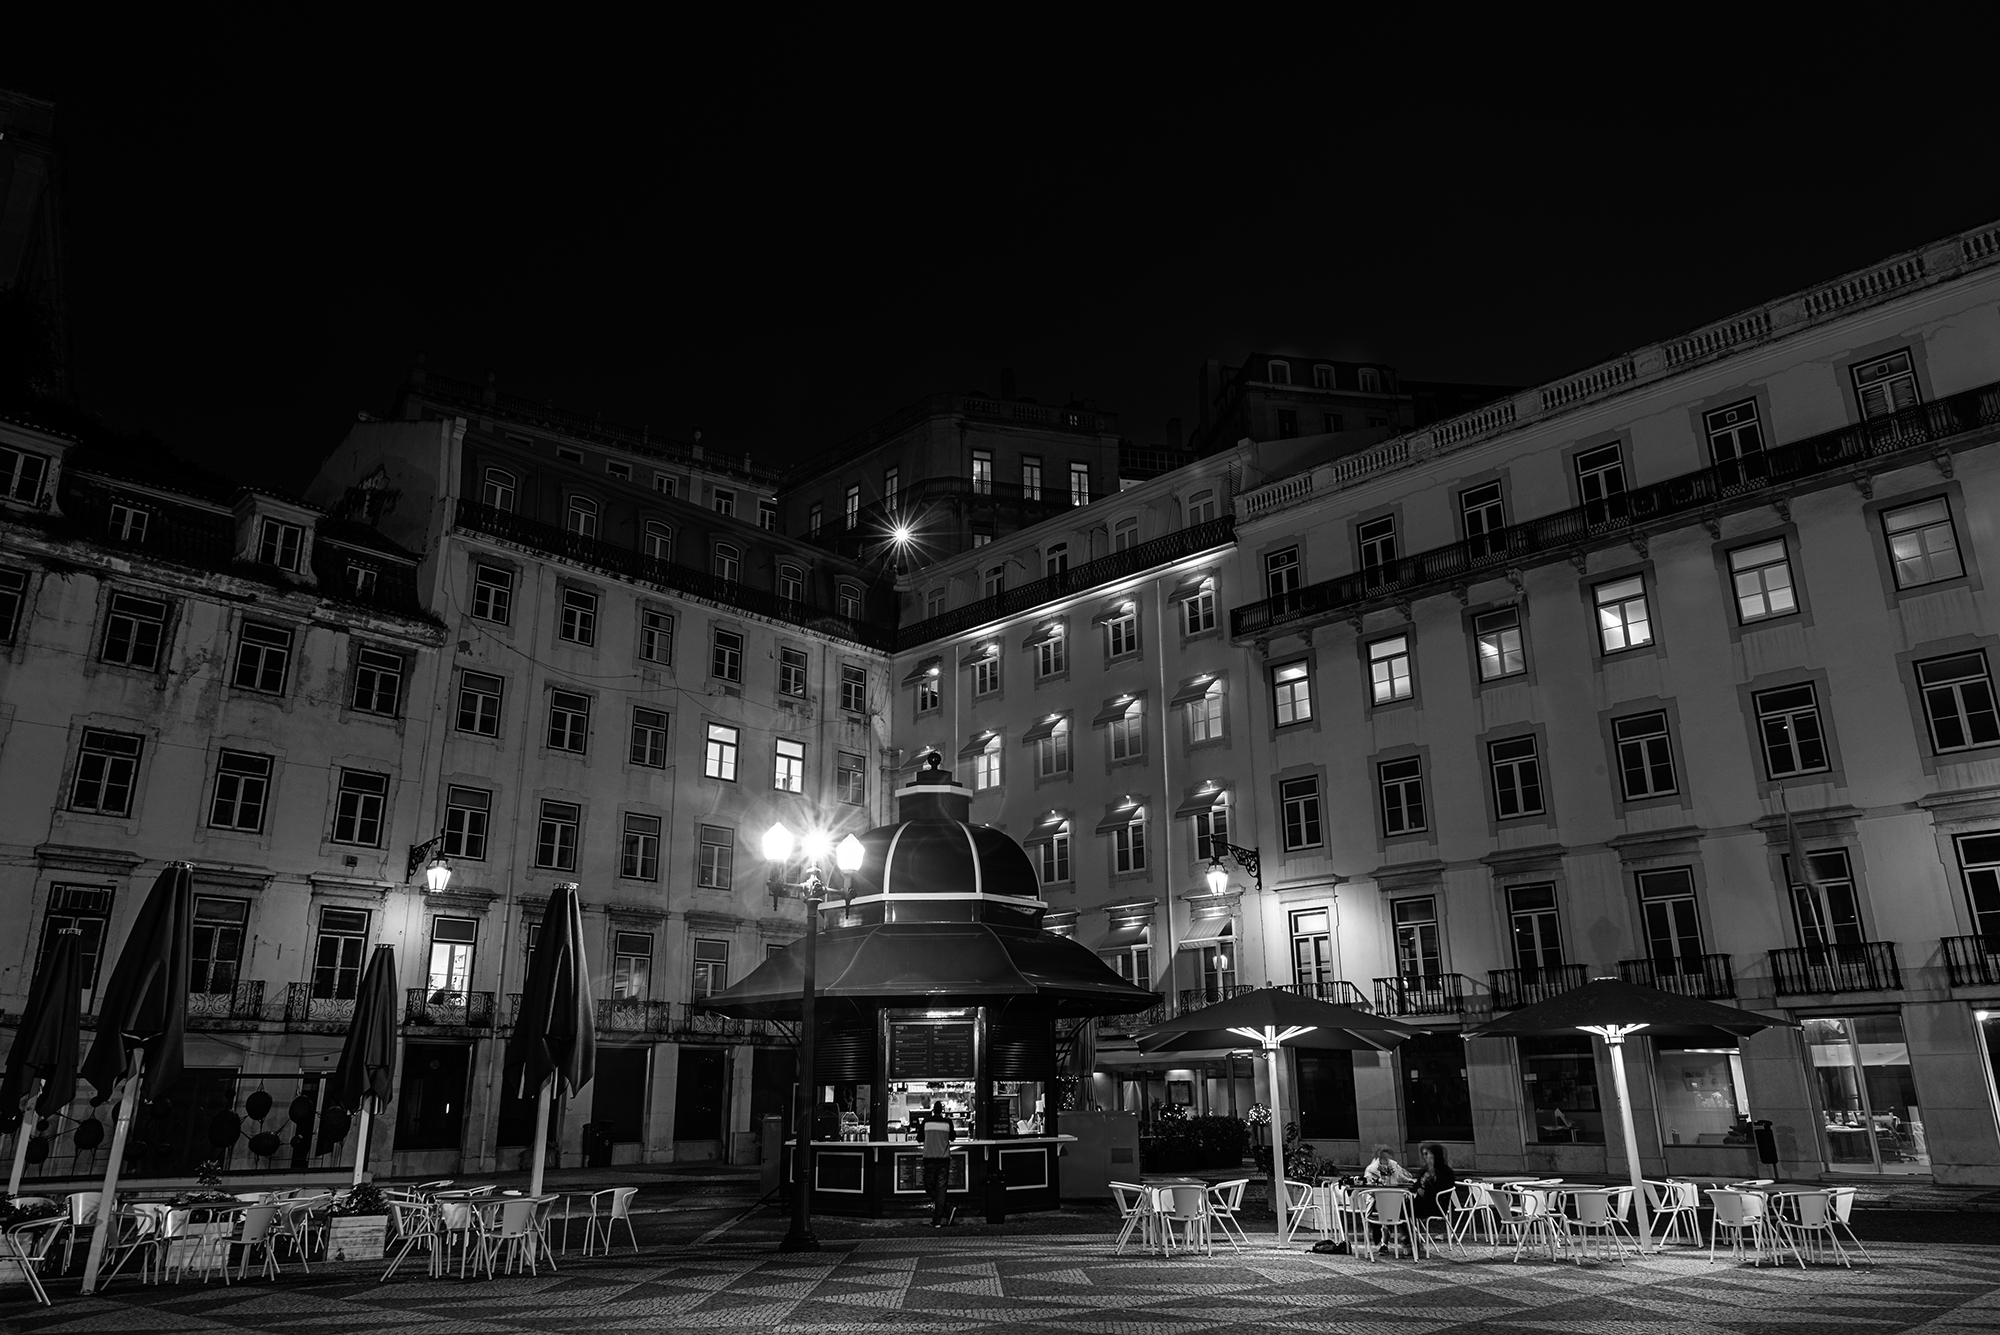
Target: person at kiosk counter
{"points": [[937, 1160]]}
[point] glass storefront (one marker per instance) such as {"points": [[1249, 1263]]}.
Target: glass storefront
{"points": [[1701, 1095], [1559, 1081], [1437, 1103], [1872, 1123]]}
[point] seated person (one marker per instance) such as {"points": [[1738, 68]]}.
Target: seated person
{"points": [[1384, 1171], [1434, 1182]]}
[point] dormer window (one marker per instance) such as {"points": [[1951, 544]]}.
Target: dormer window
{"points": [[1322, 377], [850, 601], [621, 471], [1281, 373], [1371, 380], [22, 474], [791, 584], [278, 544], [582, 517], [724, 500], [360, 580], [498, 490], [128, 524], [665, 485], [659, 540], [728, 562]]}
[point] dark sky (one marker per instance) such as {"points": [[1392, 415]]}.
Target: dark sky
{"points": [[777, 261]]}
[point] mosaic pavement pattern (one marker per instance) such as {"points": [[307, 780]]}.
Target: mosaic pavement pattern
{"points": [[1001, 1285]]}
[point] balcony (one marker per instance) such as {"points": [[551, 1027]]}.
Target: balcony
{"points": [[1133, 1023], [241, 1005], [1514, 988], [438, 1008], [1861, 966], [1972, 961], [1421, 994], [302, 1008], [1334, 992], [627, 1016], [1194, 998], [1707, 976], [1724, 488], [635, 565]]}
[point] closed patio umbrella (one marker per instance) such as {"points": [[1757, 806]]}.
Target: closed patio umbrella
{"points": [[555, 1034], [141, 1019], [1614, 1009], [365, 1079], [42, 1062], [1273, 1018]]}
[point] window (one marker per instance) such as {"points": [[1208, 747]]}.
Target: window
{"points": [[631, 966], [582, 517], [1537, 930], [1291, 693], [1369, 379], [1052, 751], [134, 631], [934, 603], [492, 593], [994, 582], [767, 515], [1199, 608], [479, 704], [1055, 855], [854, 689], [86, 910], [1079, 484], [13, 596], [1201, 507], [711, 967], [986, 675], [986, 765], [1128, 732], [725, 656], [497, 491], [1402, 784], [467, 812], [1979, 856], [107, 765], [851, 779], [982, 472], [1211, 830], [357, 809], [927, 694], [1031, 477], [1886, 385], [649, 738], [891, 484], [1922, 543], [1762, 578], [716, 859], [556, 835], [666, 485], [242, 791], [1734, 434], [1826, 907], [1205, 714], [1123, 634], [569, 721], [1622, 619], [1600, 481], [1482, 516], [278, 544], [788, 767], [217, 942], [1281, 572], [1298, 800], [792, 672], [569, 455], [813, 520], [1055, 559], [852, 510], [452, 940], [1673, 928], [1333, 423], [791, 583], [378, 681], [1645, 755], [128, 524], [1280, 373], [1288, 423], [981, 534], [621, 471], [1958, 701], [656, 636], [1389, 669], [1378, 541], [1128, 844], [1322, 377], [658, 542], [361, 580], [1312, 948], [1125, 536], [1052, 654], [719, 754], [21, 475], [847, 601], [262, 655], [639, 852], [343, 939], [1788, 727], [728, 562], [1559, 1090], [1133, 963], [1419, 949], [724, 501], [1499, 638], [1517, 777]]}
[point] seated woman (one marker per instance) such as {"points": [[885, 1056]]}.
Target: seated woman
{"points": [[1434, 1182], [1384, 1171]]}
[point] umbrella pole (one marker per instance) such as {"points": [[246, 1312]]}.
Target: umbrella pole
{"points": [[1277, 1139], [107, 1203], [21, 1138], [361, 1129], [541, 1134], [1617, 1046]]}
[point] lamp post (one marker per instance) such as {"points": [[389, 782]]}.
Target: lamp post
{"points": [[437, 871], [778, 845], [1247, 858]]}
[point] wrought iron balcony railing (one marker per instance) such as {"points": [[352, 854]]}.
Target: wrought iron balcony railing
{"points": [[1333, 991], [1421, 994], [1972, 961], [1137, 1020], [436, 1006], [302, 1007], [630, 1016], [243, 1002], [1709, 976], [1859, 966], [1514, 988], [1194, 998], [1727, 487]]}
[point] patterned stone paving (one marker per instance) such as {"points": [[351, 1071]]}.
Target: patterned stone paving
{"points": [[1001, 1285]]}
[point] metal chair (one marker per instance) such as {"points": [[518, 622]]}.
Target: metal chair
{"points": [[515, 1235], [416, 1225], [1303, 1199], [1595, 1222], [82, 1218], [1471, 1203], [1843, 1207], [618, 1207], [1225, 1199], [256, 1234], [1188, 1207], [1746, 1215], [1391, 1209], [465, 1220], [29, 1244], [1811, 1219], [1530, 1215]]}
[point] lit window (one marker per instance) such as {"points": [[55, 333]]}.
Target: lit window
{"points": [[579, 617], [982, 472], [582, 517], [1402, 784], [788, 771], [1500, 650], [1622, 619], [715, 861], [479, 704], [1389, 669], [556, 835], [986, 765], [279, 543], [719, 754], [1762, 576], [357, 812], [1291, 693], [1079, 484], [569, 721], [1922, 543], [1645, 756]]}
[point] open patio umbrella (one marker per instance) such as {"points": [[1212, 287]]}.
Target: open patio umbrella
{"points": [[1272, 1018], [42, 1062], [364, 1081], [141, 1018], [1613, 1009], [555, 1035]]}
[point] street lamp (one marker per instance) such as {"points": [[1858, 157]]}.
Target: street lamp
{"points": [[437, 871], [778, 845], [1246, 858]]}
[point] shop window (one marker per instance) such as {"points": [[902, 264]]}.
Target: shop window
{"points": [[1559, 1084], [1701, 1092]]}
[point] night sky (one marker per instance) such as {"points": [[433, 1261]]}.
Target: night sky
{"points": [[253, 257]]}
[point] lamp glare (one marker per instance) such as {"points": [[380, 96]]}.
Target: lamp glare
{"points": [[817, 844], [848, 856], [777, 843]]}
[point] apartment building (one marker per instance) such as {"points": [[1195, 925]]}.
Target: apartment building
{"points": [[1285, 396]]}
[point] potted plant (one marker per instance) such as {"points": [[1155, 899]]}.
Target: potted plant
{"points": [[358, 1226]]}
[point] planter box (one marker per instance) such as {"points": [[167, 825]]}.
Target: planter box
{"points": [[356, 1237]]}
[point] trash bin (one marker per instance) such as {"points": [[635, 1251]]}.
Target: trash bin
{"points": [[1767, 1141], [996, 1195]]}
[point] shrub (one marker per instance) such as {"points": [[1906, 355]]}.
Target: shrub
{"points": [[365, 1199]]}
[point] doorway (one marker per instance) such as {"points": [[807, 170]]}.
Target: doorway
{"points": [[1861, 1069], [430, 1100], [618, 1104], [701, 1097]]}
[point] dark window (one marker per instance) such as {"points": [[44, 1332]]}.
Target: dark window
{"points": [[1288, 423], [263, 653], [497, 491], [1402, 784], [343, 938], [1517, 777], [1827, 908], [1645, 755], [13, 596], [378, 681], [1600, 481], [1673, 927], [134, 631], [217, 940], [649, 738], [1958, 701], [556, 835], [1923, 544], [242, 791], [656, 637], [1378, 541], [854, 690], [792, 672], [1482, 515], [852, 779], [1789, 727], [1762, 580], [1979, 855], [1537, 927], [466, 813], [632, 966], [579, 617], [86, 910], [1282, 572], [128, 523], [569, 721], [716, 859], [711, 967], [107, 766], [21, 475], [479, 703], [725, 659], [278, 544], [1300, 800], [357, 811], [492, 593], [1734, 433], [1886, 385], [639, 854]]}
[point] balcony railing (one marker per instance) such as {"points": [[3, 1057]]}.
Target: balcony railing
{"points": [[1513, 988], [1077, 579], [1194, 998], [1335, 992], [244, 1002], [1421, 994], [624, 1016], [637, 565], [1137, 1020], [302, 1007], [1687, 975], [1861, 966], [1972, 961], [1729, 486], [428, 1006]]}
